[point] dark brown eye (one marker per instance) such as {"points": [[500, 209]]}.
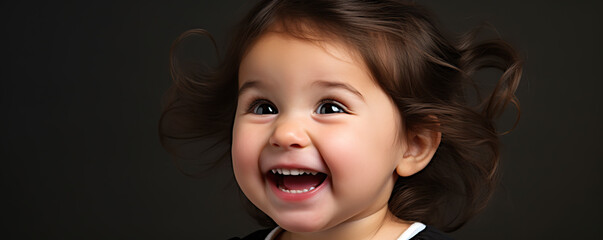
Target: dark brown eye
{"points": [[330, 107], [264, 108]]}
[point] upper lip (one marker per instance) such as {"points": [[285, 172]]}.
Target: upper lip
{"points": [[301, 159], [295, 167], [285, 171]]}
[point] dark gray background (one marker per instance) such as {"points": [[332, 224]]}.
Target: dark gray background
{"points": [[80, 101]]}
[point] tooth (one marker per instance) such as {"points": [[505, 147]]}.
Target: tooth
{"points": [[279, 171], [286, 172], [294, 172], [305, 190], [314, 173], [311, 188], [274, 171]]}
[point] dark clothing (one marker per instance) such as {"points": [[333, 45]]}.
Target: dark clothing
{"points": [[259, 235], [429, 233]]}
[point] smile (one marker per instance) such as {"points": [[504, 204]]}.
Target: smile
{"points": [[296, 181]]}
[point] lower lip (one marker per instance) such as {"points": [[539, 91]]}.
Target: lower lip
{"points": [[297, 197]]}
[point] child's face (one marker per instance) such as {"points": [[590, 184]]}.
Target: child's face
{"points": [[316, 109]]}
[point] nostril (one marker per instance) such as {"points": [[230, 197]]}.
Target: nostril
{"points": [[288, 138], [294, 145]]}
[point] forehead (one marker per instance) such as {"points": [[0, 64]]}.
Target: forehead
{"points": [[277, 52]]}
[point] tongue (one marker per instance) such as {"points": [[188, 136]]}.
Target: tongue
{"points": [[301, 182]]}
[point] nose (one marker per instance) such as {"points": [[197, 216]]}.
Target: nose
{"points": [[289, 133]]}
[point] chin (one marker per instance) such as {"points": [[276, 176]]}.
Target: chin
{"points": [[301, 224]]}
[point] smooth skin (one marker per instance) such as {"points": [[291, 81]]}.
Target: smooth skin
{"points": [[312, 105]]}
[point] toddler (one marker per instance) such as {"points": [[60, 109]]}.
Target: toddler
{"points": [[349, 119]]}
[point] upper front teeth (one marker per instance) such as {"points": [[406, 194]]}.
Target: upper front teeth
{"points": [[294, 172]]}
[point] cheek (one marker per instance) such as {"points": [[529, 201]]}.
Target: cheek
{"points": [[362, 156], [352, 155], [245, 153]]}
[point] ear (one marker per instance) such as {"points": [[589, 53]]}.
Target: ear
{"points": [[421, 146]]}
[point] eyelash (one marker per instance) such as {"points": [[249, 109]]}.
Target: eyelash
{"points": [[334, 102], [256, 102]]}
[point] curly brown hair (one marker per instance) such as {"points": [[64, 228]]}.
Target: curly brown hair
{"points": [[428, 77]]}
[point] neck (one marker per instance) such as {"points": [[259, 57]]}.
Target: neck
{"points": [[379, 225]]}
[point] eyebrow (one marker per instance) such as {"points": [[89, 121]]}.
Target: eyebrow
{"points": [[248, 85], [321, 83], [344, 86]]}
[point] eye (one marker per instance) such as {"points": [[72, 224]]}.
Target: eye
{"points": [[262, 107], [329, 107]]}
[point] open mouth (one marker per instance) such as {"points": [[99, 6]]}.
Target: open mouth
{"points": [[296, 180]]}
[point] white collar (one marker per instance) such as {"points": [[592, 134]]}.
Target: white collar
{"points": [[410, 232]]}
